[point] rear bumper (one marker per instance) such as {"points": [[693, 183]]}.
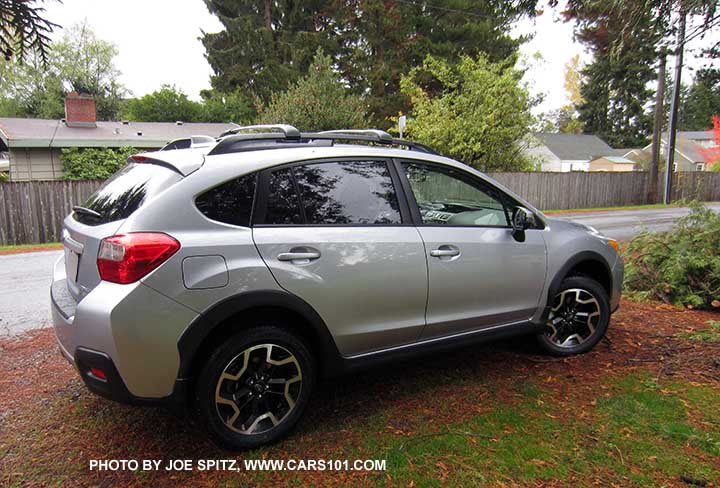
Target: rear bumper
{"points": [[129, 332]]}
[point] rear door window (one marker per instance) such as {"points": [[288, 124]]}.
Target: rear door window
{"points": [[127, 191], [348, 192], [283, 205]]}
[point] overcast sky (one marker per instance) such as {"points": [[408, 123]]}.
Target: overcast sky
{"points": [[158, 43]]}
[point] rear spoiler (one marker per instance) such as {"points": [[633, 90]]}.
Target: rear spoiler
{"points": [[184, 163]]}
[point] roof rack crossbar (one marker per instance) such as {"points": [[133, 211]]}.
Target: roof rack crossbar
{"points": [[380, 135], [289, 131]]}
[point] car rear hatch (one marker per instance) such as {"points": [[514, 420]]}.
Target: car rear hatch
{"points": [[104, 213]]}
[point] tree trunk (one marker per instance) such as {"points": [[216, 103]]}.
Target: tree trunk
{"points": [[652, 195]]}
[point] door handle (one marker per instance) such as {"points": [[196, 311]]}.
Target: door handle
{"points": [[445, 251], [298, 256]]}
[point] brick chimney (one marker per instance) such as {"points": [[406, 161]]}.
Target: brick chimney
{"points": [[80, 110]]}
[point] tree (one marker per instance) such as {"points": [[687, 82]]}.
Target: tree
{"points": [[86, 64], [78, 62], [615, 85], [265, 45], [701, 101], [573, 80], [383, 40], [23, 29], [168, 104], [479, 116], [320, 101], [234, 107], [268, 45]]}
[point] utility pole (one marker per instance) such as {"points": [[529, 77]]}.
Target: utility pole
{"points": [[657, 131], [674, 107]]}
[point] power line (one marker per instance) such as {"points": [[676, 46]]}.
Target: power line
{"points": [[444, 9]]}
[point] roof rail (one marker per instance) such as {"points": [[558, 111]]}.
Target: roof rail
{"points": [[234, 141], [288, 131]]}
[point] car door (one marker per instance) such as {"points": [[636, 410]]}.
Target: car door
{"points": [[479, 275], [338, 235]]}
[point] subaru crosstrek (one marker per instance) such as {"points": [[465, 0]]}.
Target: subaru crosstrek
{"points": [[232, 276]]}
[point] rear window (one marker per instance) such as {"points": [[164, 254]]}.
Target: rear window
{"points": [[126, 191]]}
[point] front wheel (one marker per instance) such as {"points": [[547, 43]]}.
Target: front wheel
{"points": [[578, 319], [255, 387]]}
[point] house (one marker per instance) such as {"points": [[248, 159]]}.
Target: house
{"points": [[688, 150], [566, 152], [33, 145], [612, 164]]}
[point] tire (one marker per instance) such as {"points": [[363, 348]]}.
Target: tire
{"points": [[567, 331], [236, 373]]}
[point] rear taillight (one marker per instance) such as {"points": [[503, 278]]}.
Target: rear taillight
{"points": [[126, 258]]}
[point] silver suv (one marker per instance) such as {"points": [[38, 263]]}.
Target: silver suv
{"points": [[231, 278]]}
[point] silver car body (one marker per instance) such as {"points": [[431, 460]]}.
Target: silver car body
{"points": [[376, 288]]}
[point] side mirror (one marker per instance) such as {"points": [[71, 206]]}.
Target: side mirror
{"points": [[522, 219]]}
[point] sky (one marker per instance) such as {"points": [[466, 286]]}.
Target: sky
{"points": [[162, 45]]}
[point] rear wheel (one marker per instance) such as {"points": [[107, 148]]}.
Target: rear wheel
{"points": [[255, 387], [578, 319]]}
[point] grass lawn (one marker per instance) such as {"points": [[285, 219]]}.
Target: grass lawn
{"points": [[641, 410], [604, 209], [17, 249]]}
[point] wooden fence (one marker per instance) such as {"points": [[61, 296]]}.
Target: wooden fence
{"points": [[33, 212]]}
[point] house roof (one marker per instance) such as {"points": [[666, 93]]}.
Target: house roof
{"points": [[624, 151], [575, 146], [618, 159], [685, 146], [17, 132], [695, 135]]}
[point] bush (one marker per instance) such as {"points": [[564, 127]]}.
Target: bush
{"points": [[481, 112], [320, 101], [91, 163], [681, 266]]}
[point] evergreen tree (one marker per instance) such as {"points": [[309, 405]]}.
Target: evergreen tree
{"points": [[615, 88], [267, 45], [701, 101]]}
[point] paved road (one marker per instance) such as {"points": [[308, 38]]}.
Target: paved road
{"points": [[25, 278], [624, 224], [25, 291]]}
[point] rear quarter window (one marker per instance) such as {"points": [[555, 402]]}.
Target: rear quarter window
{"points": [[127, 191], [229, 203]]}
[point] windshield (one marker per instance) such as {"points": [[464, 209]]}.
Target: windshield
{"points": [[126, 192]]}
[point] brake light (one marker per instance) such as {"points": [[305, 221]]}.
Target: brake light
{"points": [[126, 258]]}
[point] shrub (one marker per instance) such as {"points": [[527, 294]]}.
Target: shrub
{"points": [[93, 163], [320, 101], [474, 111], [681, 266]]}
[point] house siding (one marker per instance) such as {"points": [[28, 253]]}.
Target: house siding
{"points": [[38, 163]]}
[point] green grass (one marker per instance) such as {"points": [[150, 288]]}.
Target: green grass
{"points": [[29, 247], [711, 334], [600, 209], [639, 435]]}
